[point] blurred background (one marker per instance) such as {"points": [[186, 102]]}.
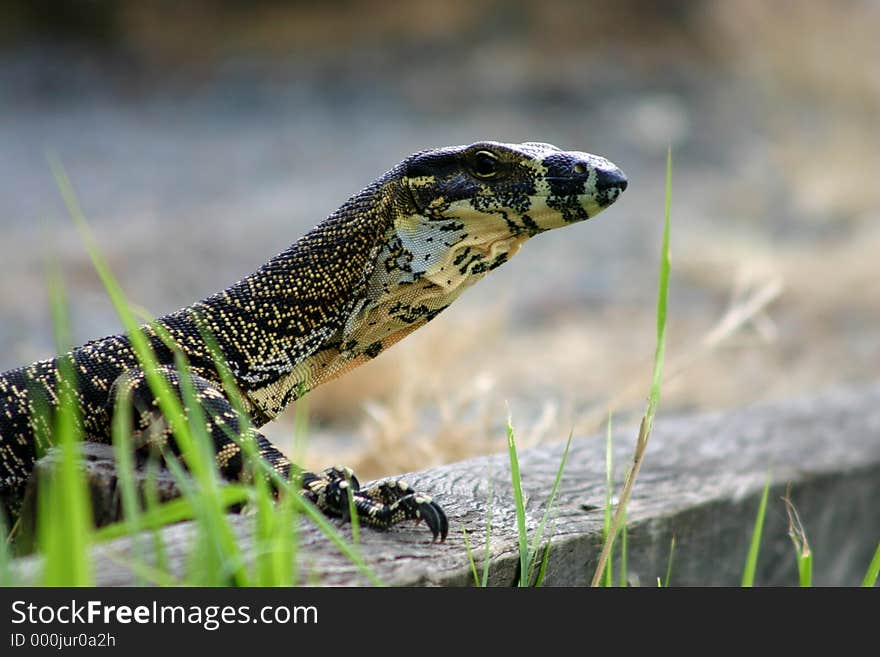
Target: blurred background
{"points": [[204, 137]]}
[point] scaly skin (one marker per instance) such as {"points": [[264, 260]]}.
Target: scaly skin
{"points": [[388, 261]]}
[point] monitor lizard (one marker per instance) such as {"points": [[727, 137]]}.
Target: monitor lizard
{"points": [[389, 260]]}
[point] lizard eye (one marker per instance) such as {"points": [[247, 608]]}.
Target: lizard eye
{"points": [[485, 164]]}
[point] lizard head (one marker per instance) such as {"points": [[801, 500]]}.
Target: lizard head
{"points": [[537, 185], [458, 213], [470, 208]]}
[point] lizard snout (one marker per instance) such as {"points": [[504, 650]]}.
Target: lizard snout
{"points": [[607, 178]]}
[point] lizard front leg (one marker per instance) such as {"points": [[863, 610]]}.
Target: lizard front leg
{"points": [[381, 505], [151, 432]]}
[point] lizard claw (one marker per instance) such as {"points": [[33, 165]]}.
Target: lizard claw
{"points": [[434, 517], [381, 505], [390, 501]]}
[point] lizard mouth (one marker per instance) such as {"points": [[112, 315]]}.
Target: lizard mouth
{"points": [[610, 184]]}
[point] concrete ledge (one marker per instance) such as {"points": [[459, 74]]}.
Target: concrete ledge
{"points": [[701, 482]]}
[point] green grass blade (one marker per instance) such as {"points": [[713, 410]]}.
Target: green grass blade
{"points": [[269, 518], [277, 526], [64, 521], [308, 509], [539, 580], [803, 554], [805, 569], [873, 570], [623, 565], [274, 550], [298, 452], [485, 579], [220, 557], [748, 578], [352, 554], [300, 426], [151, 499], [303, 506], [266, 566], [662, 298], [520, 507], [669, 563], [608, 577], [7, 576], [123, 456], [152, 575], [353, 518], [286, 543], [470, 554], [539, 533], [173, 511]]}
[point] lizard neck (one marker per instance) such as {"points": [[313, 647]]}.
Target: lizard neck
{"points": [[273, 326]]}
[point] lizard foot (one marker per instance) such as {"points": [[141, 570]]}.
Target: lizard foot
{"points": [[382, 504]]}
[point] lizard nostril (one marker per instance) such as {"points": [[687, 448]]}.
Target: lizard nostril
{"points": [[580, 169]]}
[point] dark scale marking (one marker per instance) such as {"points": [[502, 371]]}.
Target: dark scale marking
{"points": [[413, 314], [399, 258], [474, 268], [530, 225], [460, 258], [314, 310], [513, 227], [482, 267], [500, 259], [568, 207]]}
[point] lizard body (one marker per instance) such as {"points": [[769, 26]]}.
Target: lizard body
{"points": [[386, 262]]}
